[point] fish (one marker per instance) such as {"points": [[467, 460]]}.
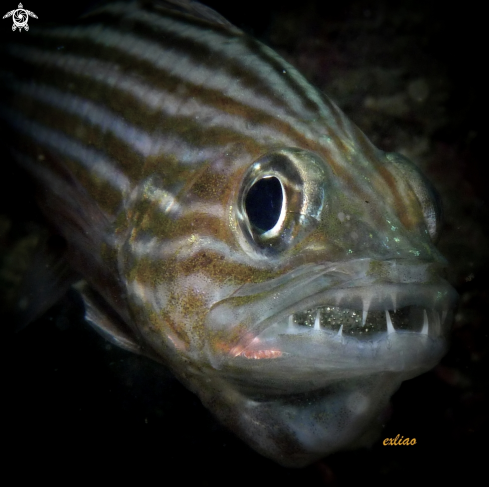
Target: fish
{"points": [[225, 218]]}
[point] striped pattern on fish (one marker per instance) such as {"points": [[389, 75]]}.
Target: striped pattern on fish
{"points": [[146, 126], [148, 60]]}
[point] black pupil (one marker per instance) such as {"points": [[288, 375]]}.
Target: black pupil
{"points": [[264, 203]]}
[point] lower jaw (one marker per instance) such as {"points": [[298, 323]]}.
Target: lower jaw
{"points": [[281, 360]]}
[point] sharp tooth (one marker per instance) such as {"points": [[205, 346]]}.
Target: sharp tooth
{"points": [[366, 306], [340, 332], [364, 316], [424, 330], [291, 322], [316, 321], [390, 327]]}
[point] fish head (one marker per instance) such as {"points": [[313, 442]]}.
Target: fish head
{"points": [[297, 304]]}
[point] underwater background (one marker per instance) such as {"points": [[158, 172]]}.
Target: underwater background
{"points": [[410, 75]]}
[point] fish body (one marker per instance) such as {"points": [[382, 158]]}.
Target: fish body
{"points": [[229, 221]]}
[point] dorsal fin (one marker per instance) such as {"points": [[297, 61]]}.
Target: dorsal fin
{"points": [[196, 9], [186, 7]]}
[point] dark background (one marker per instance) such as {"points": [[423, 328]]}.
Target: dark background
{"points": [[410, 75]]}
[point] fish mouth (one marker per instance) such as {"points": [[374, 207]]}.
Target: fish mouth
{"points": [[329, 332], [343, 323], [421, 313], [371, 313], [365, 325], [389, 315]]}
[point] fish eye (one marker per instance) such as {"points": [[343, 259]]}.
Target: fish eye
{"points": [[280, 199], [264, 204]]}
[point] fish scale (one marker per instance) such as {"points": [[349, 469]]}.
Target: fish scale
{"points": [[145, 126]]}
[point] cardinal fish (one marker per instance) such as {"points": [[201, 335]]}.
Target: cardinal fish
{"points": [[226, 219]]}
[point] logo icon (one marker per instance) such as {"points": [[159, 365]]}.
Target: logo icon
{"points": [[20, 16]]}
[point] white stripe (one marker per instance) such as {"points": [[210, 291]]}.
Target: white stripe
{"points": [[220, 45], [178, 64], [96, 115], [93, 160], [214, 210], [156, 296], [155, 99], [182, 248], [140, 141], [166, 200], [316, 132]]}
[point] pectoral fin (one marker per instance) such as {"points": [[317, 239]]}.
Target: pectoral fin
{"points": [[107, 323]]}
